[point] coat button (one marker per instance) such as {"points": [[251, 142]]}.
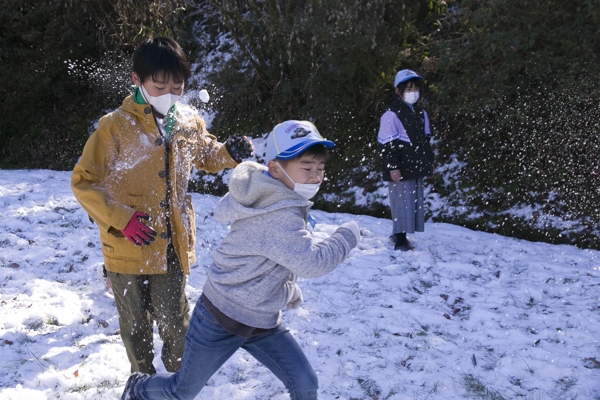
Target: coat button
{"points": [[162, 174], [158, 142], [163, 204], [164, 235], [147, 110]]}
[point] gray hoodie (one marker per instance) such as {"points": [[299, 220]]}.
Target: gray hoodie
{"points": [[256, 266]]}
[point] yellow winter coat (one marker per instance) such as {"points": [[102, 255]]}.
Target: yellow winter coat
{"points": [[124, 169]]}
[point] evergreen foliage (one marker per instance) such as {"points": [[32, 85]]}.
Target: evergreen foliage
{"points": [[517, 104], [36, 100], [330, 62], [510, 86], [64, 63]]}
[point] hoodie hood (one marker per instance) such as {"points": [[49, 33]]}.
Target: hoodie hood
{"points": [[252, 191]]}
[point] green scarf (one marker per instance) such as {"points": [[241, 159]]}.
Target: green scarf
{"points": [[139, 99]]}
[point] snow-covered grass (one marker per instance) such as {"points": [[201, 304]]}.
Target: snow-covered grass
{"points": [[466, 315]]}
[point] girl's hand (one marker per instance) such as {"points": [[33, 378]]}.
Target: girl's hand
{"points": [[395, 175], [430, 176]]}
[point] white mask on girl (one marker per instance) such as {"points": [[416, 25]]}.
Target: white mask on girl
{"points": [[306, 190], [163, 103], [410, 97]]}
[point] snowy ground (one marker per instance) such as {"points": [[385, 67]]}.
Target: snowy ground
{"points": [[466, 315]]}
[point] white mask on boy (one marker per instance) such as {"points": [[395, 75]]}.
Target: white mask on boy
{"points": [[411, 97], [162, 103], [306, 190]]}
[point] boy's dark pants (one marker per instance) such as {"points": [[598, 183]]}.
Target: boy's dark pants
{"points": [[140, 300]]}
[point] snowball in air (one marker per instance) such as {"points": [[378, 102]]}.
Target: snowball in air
{"points": [[204, 95]]}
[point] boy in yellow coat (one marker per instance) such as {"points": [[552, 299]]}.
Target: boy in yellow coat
{"points": [[132, 180]]}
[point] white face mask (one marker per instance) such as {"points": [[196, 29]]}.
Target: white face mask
{"points": [[306, 190], [163, 103], [411, 97]]}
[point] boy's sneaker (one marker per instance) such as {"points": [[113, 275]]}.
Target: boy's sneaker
{"points": [[129, 391]]}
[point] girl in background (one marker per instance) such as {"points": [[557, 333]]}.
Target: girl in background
{"points": [[406, 156]]}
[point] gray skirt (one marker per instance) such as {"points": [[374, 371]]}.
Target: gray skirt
{"points": [[406, 205]]}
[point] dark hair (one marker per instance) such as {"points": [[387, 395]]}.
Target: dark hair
{"points": [[314, 151], [403, 85], [160, 58]]}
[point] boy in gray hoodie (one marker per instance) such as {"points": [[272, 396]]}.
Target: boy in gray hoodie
{"points": [[253, 276]]}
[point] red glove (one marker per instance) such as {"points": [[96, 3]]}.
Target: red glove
{"points": [[138, 232]]}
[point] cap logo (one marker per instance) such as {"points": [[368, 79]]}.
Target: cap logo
{"points": [[300, 133]]}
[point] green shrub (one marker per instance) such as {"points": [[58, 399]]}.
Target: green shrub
{"points": [[65, 64], [516, 103], [510, 88], [36, 40], [331, 62]]}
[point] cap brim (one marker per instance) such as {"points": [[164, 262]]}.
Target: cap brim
{"points": [[301, 147], [407, 78]]}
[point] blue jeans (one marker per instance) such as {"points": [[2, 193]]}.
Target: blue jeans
{"points": [[208, 346]]}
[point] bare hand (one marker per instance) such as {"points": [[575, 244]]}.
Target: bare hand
{"points": [[395, 175], [430, 176]]}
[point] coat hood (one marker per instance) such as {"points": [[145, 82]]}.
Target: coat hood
{"points": [[252, 191]]}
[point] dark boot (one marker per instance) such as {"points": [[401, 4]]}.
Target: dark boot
{"points": [[402, 242]]}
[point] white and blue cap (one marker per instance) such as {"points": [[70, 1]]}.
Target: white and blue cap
{"points": [[404, 75], [291, 138]]}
